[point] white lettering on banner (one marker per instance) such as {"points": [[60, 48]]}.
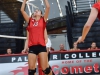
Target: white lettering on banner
{"points": [[74, 55], [94, 54], [80, 56], [26, 59], [66, 56], [13, 59], [19, 59], [87, 55], [54, 56]]}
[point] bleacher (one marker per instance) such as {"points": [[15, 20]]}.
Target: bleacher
{"points": [[79, 11]]}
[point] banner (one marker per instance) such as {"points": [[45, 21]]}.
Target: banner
{"points": [[71, 63], [76, 63], [14, 65]]}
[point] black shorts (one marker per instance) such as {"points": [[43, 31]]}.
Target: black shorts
{"points": [[36, 49]]}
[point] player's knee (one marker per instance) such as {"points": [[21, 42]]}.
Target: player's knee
{"points": [[32, 66], [47, 70], [31, 72]]}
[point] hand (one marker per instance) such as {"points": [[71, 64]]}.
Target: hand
{"points": [[24, 51], [80, 40], [46, 41]]}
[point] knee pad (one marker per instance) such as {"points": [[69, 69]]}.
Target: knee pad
{"points": [[51, 70], [50, 67], [31, 72], [47, 70]]}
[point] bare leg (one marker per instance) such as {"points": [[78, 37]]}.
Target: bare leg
{"points": [[32, 63], [48, 51], [44, 61]]}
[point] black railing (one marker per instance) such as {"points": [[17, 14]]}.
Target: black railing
{"points": [[69, 27], [70, 22], [71, 7], [70, 11], [19, 32]]}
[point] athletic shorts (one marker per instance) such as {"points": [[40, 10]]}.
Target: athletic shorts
{"points": [[36, 49]]}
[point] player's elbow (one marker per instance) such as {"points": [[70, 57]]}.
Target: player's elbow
{"points": [[87, 26], [22, 10], [48, 6]]}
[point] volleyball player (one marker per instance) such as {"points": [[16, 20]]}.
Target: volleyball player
{"points": [[48, 46], [35, 38], [95, 12]]}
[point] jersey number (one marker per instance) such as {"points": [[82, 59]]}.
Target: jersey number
{"points": [[35, 24]]}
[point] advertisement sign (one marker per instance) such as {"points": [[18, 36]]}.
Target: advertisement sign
{"points": [[14, 65], [69, 63], [76, 63]]}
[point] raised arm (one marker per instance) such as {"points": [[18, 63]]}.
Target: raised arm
{"points": [[92, 17], [98, 0], [47, 9], [25, 15]]}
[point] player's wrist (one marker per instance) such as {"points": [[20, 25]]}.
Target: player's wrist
{"points": [[46, 41], [82, 37]]}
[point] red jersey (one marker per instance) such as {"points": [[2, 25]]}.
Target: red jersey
{"points": [[36, 32]]}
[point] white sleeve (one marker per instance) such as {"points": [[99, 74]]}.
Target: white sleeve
{"points": [[48, 43]]}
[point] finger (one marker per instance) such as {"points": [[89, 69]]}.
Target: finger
{"points": [[77, 41], [82, 41], [23, 51]]}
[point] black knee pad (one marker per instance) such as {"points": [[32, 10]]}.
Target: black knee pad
{"points": [[47, 70], [31, 72], [51, 70]]}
